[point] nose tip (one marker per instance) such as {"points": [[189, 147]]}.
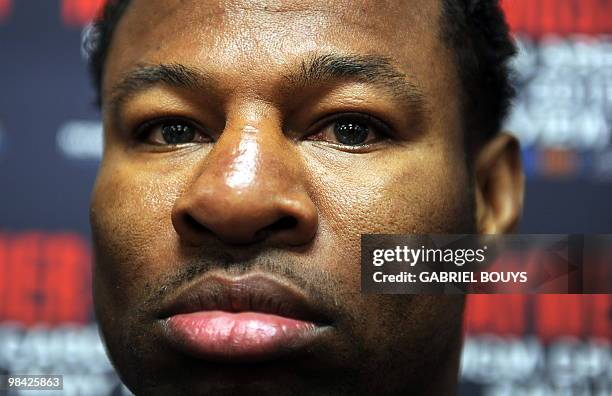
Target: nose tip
{"points": [[236, 219]]}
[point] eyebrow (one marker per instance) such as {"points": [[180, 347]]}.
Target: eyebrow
{"points": [[316, 69], [146, 77], [371, 69]]}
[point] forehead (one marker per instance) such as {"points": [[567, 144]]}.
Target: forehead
{"points": [[256, 36], [378, 20]]}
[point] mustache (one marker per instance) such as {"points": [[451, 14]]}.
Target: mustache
{"points": [[318, 283]]}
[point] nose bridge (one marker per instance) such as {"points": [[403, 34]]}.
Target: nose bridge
{"points": [[251, 154], [246, 160]]}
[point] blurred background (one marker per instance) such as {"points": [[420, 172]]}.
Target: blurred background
{"points": [[50, 146]]}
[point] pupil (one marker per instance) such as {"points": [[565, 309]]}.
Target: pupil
{"points": [[351, 132], [178, 133]]}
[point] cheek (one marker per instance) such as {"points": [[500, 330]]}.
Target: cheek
{"points": [[404, 193], [407, 193], [131, 228], [433, 198]]}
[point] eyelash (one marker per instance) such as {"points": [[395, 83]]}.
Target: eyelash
{"points": [[146, 127], [380, 126], [143, 131]]}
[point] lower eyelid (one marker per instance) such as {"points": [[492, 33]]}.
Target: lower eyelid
{"points": [[361, 149]]}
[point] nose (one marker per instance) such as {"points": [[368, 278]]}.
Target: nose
{"points": [[248, 189]]}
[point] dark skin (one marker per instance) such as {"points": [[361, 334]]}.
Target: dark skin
{"points": [[260, 182]]}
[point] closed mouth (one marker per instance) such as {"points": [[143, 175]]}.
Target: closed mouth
{"points": [[255, 317]]}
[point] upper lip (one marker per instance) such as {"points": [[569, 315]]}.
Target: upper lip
{"points": [[255, 292]]}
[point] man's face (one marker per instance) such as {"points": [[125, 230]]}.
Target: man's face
{"points": [[247, 146]]}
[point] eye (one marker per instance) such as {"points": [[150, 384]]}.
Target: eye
{"points": [[352, 130], [172, 133]]}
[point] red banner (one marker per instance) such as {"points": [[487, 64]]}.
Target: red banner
{"points": [[560, 17], [80, 12], [44, 278], [5, 9]]}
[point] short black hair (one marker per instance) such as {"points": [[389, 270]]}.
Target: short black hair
{"points": [[475, 30], [479, 37]]}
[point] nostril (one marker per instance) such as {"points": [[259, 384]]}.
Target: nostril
{"points": [[193, 224], [196, 229], [284, 223]]}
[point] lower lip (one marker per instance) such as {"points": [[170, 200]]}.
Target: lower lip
{"points": [[242, 336]]}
